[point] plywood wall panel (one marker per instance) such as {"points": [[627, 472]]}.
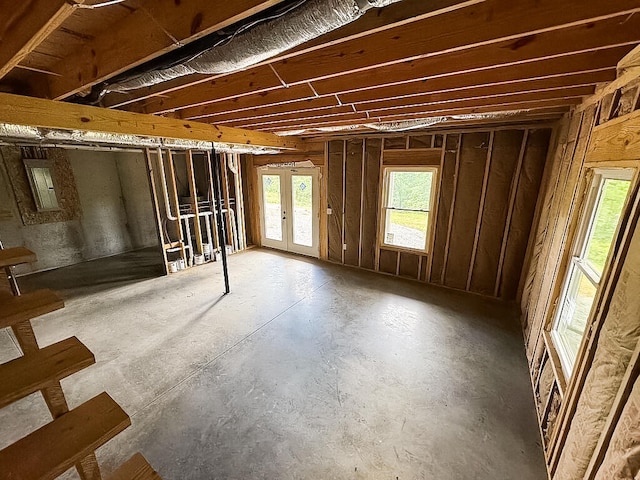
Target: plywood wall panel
{"points": [[447, 187], [372, 151], [473, 157], [524, 210], [504, 159], [420, 141], [335, 200], [395, 143], [352, 201]]}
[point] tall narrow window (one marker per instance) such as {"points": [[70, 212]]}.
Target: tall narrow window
{"points": [[42, 185], [406, 207], [596, 234]]}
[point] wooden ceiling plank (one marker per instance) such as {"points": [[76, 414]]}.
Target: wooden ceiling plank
{"points": [[156, 21], [375, 20], [376, 97], [26, 31], [583, 38], [37, 112]]}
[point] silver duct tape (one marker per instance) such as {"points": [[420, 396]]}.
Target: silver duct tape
{"points": [[307, 22]]}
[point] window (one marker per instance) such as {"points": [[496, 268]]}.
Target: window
{"points": [[42, 185], [406, 208], [596, 234]]}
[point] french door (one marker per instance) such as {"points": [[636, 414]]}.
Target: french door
{"points": [[290, 209]]}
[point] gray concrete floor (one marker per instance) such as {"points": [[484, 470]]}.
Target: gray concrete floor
{"points": [[306, 370]]}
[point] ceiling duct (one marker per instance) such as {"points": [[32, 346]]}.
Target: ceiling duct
{"points": [[305, 22]]}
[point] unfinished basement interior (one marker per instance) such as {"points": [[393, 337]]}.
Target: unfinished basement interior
{"points": [[320, 239]]}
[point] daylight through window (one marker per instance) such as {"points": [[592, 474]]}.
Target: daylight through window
{"points": [[595, 236], [406, 210]]}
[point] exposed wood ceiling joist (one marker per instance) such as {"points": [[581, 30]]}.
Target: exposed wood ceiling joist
{"points": [[25, 25], [373, 21], [36, 112], [385, 97], [156, 27], [436, 106], [514, 25]]}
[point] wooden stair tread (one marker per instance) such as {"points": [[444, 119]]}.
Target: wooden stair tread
{"points": [[16, 256], [30, 305], [54, 448], [28, 374], [136, 468]]}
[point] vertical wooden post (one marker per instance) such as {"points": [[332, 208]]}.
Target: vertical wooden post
{"points": [[174, 194], [512, 198], [193, 191], [156, 207], [483, 197], [453, 205]]}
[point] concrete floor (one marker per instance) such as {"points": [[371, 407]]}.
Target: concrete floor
{"points": [[306, 370]]}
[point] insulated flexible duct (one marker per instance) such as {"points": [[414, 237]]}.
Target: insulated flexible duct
{"points": [[304, 23]]}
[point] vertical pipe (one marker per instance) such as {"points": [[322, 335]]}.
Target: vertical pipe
{"points": [[221, 227]]}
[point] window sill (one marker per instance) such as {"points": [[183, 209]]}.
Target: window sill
{"points": [[404, 250], [556, 365]]}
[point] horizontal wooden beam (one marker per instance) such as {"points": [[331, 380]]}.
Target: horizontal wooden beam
{"points": [[374, 20], [375, 98], [36, 112], [154, 28], [616, 140], [297, 97], [26, 24], [438, 103]]}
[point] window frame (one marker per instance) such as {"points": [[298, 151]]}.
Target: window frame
{"points": [[384, 201], [577, 261], [29, 165]]}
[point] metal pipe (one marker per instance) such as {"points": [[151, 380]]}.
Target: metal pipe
{"points": [[13, 283], [221, 226]]}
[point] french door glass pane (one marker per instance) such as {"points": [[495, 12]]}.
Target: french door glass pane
{"points": [[302, 200], [272, 207], [609, 209], [575, 312], [406, 229]]}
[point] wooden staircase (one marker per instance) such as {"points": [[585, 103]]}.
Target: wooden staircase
{"points": [[71, 439]]}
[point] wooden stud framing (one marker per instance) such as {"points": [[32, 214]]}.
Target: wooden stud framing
{"points": [[512, 199], [436, 206], [193, 191], [176, 200], [344, 194], [362, 184], [453, 204], [483, 196], [156, 207]]}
